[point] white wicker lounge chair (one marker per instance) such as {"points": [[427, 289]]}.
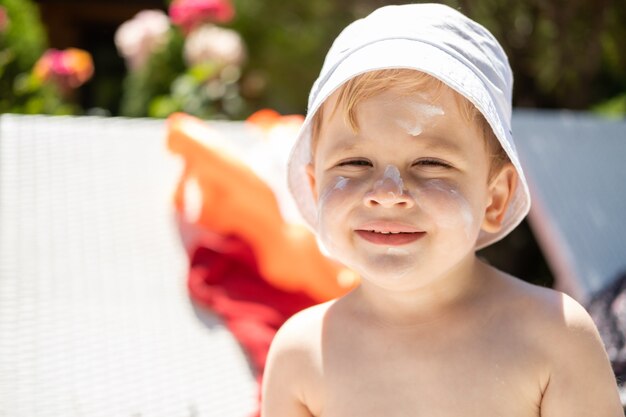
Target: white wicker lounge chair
{"points": [[94, 314]]}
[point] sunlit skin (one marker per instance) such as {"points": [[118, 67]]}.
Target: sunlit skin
{"points": [[425, 185], [431, 330]]}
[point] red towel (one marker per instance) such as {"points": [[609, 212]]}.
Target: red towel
{"points": [[224, 277]]}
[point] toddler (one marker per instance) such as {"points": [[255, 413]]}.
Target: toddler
{"points": [[404, 167]]}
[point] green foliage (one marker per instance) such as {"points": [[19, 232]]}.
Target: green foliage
{"points": [[166, 85], [20, 46], [29, 96], [286, 45], [614, 108], [154, 79], [564, 53], [25, 37]]}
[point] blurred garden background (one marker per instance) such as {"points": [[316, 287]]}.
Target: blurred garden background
{"points": [[225, 59]]}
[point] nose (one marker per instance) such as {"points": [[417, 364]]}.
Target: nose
{"points": [[389, 192]]}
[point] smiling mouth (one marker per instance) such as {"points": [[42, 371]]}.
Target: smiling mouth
{"points": [[389, 238]]}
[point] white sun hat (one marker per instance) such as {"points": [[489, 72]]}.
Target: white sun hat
{"points": [[436, 40]]}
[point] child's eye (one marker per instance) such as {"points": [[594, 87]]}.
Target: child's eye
{"points": [[432, 163], [355, 163]]}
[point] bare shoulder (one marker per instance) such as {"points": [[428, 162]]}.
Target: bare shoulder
{"points": [[294, 364], [300, 333], [549, 317], [296, 346], [547, 310], [577, 373]]}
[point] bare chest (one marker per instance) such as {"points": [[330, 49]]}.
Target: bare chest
{"points": [[433, 375]]}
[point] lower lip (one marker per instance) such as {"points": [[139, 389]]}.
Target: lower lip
{"points": [[390, 239]]}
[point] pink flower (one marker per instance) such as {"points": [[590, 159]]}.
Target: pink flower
{"points": [[209, 43], [190, 13], [138, 38], [69, 69], [4, 19]]}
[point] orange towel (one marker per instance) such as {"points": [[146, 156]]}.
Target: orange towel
{"points": [[235, 201]]}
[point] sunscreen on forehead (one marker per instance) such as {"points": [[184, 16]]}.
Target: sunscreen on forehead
{"points": [[421, 115]]}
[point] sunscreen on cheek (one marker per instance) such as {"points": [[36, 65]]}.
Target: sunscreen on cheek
{"points": [[335, 199], [341, 183], [446, 206], [332, 199], [338, 184]]}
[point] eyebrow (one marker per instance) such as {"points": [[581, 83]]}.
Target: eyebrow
{"points": [[436, 143], [342, 146]]}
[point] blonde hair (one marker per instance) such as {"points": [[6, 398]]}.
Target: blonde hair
{"points": [[406, 81]]}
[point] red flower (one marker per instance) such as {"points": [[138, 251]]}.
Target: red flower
{"points": [[190, 13], [69, 69], [4, 19]]}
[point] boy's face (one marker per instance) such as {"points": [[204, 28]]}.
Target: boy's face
{"points": [[402, 200]]}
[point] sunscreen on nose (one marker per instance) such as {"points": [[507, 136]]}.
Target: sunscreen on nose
{"points": [[391, 182]]}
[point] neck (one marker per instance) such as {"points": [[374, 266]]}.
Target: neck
{"points": [[426, 303]]}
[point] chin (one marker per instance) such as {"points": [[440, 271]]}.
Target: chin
{"points": [[407, 272], [388, 271], [405, 284]]}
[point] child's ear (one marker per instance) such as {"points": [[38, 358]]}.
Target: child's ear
{"points": [[501, 190], [310, 173]]}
